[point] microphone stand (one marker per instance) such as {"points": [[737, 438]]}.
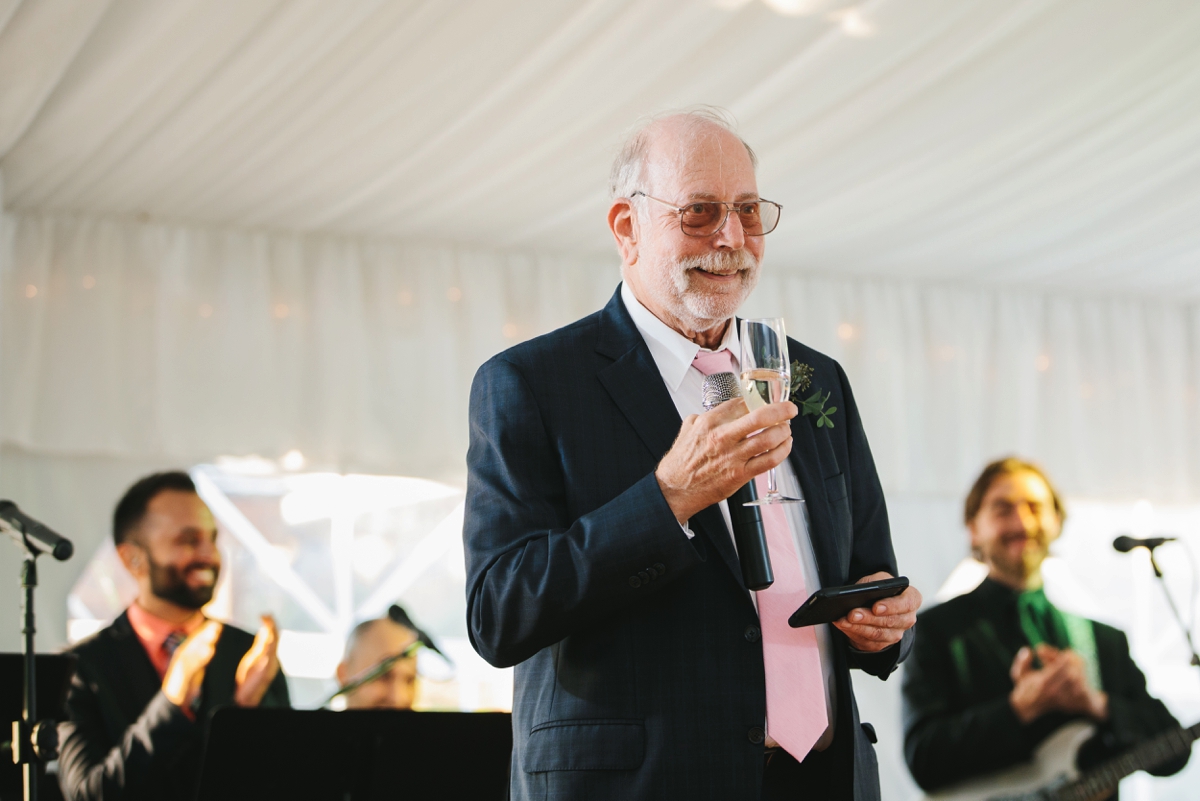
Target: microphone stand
{"points": [[1174, 610], [375, 671], [34, 742]]}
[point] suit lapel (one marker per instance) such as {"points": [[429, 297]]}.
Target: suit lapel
{"points": [[636, 387], [133, 678]]}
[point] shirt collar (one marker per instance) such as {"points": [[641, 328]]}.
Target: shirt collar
{"points": [[673, 353], [153, 630]]}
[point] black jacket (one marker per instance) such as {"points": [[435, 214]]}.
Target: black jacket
{"points": [[123, 739], [639, 668], [956, 729]]}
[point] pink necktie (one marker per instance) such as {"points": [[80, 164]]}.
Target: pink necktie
{"points": [[709, 362], [796, 714]]}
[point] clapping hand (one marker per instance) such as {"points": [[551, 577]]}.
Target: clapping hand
{"points": [[259, 666], [185, 673], [1060, 685]]}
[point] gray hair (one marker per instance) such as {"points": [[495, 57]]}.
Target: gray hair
{"points": [[629, 165]]}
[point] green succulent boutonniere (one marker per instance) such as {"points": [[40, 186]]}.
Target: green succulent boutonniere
{"points": [[814, 404]]}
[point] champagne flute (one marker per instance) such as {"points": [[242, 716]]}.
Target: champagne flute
{"points": [[766, 371]]}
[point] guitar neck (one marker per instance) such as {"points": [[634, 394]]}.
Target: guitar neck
{"points": [[1150, 754]]}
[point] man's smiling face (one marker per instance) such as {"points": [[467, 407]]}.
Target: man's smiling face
{"points": [[694, 283], [1014, 527], [178, 536]]}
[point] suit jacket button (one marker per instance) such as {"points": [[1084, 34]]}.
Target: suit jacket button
{"points": [[756, 735], [660, 567], [635, 582], [644, 576], [653, 573], [752, 633]]}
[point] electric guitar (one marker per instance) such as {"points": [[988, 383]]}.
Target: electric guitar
{"points": [[1052, 776]]}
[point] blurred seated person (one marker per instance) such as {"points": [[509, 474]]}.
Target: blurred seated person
{"points": [[995, 672], [371, 642], [146, 684]]}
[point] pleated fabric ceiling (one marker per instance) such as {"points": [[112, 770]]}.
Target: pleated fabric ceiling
{"points": [[1040, 142]]}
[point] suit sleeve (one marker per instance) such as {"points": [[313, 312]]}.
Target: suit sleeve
{"points": [[872, 534], [91, 768], [1133, 714], [534, 575], [943, 744]]}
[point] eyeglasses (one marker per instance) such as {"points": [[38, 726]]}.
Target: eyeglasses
{"points": [[707, 217]]}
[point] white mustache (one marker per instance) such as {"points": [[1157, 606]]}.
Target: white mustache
{"points": [[720, 262]]}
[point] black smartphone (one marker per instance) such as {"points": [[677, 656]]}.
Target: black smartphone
{"points": [[832, 603]]}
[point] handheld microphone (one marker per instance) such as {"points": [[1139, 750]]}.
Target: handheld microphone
{"points": [[1126, 544], [35, 534], [748, 531]]}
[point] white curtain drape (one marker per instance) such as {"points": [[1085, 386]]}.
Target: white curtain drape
{"points": [[144, 341], [140, 340]]}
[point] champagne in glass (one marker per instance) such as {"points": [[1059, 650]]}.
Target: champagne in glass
{"points": [[766, 372]]}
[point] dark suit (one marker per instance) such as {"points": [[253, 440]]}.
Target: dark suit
{"points": [[123, 738], [639, 667], [958, 722]]}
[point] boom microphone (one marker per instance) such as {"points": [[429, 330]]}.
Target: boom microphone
{"points": [[43, 539], [748, 531], [398, 615], [1126, 544]]}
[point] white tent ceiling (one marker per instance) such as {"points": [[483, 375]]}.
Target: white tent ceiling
{"points": [[1046, 142]]}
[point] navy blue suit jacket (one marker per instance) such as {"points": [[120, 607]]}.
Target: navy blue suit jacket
{"points": [[639, 670]]}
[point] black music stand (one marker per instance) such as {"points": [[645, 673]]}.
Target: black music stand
{"points": [[53, 674], [356, 755]]}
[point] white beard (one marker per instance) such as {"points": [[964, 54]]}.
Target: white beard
{"points": [[706, 309]]}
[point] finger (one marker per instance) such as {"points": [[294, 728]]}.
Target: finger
{"points": [[1022, 664], [868, 634], [904, 603], [1067, 655], [864, 617], [1055, 681], [272, 636], [1047, 652], [763, 417], [725, 412], [763, 441], [1055, 687], [1075, 674], [880, 576], [772, 458]]}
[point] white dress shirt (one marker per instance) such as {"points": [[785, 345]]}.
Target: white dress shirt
{"points": [[673, 354]]}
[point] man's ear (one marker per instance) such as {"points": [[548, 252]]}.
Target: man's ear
{"points": [[976, 553], [133, 557], [622, 221], [341, 674]]}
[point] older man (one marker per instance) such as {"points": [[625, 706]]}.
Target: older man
{"points": [[599, 556]]}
